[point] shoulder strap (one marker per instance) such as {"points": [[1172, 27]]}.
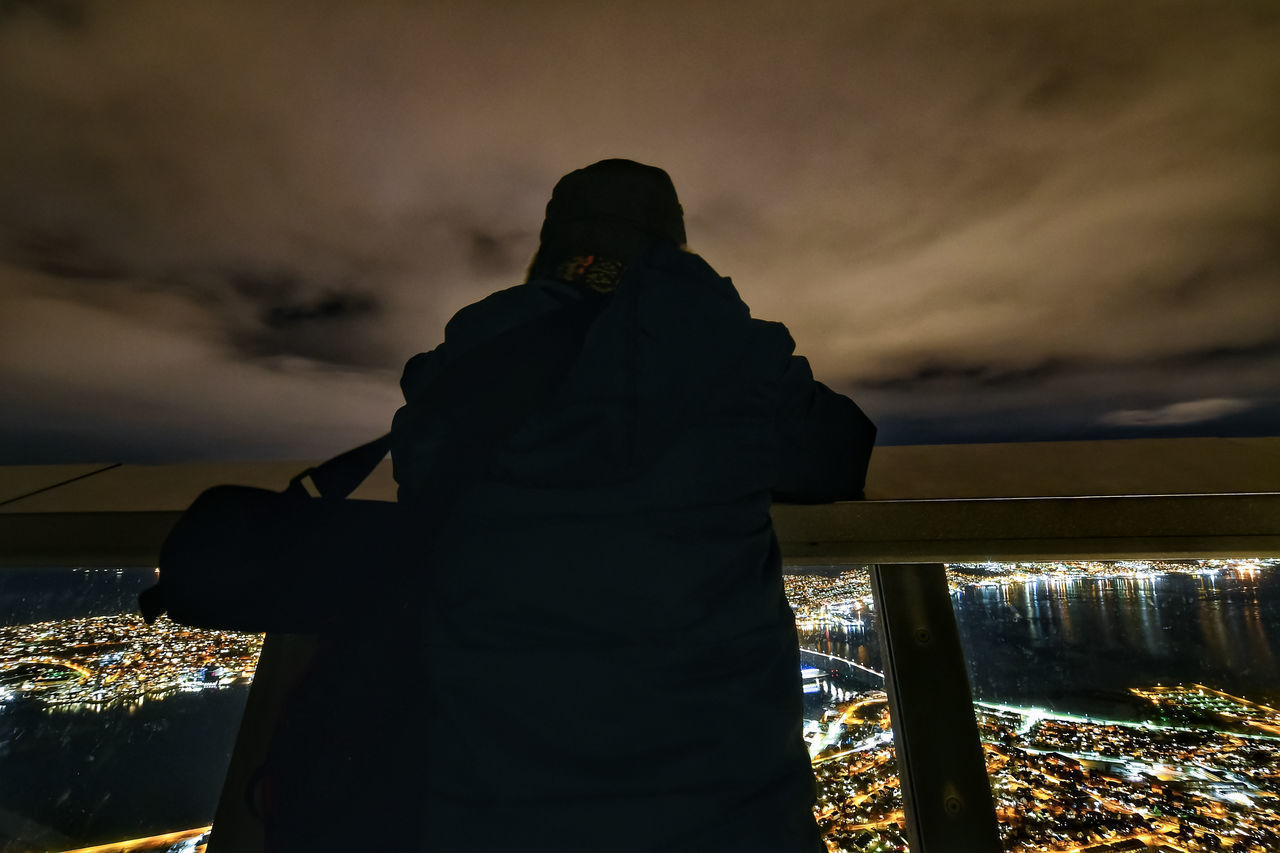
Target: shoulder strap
{"points": [[338, 477]]}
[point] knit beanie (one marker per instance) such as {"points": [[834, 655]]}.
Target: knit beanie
{"points": [[624, 192], [602, 218]]}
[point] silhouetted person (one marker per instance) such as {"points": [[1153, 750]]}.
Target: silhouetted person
{"points": [[610, 659]]}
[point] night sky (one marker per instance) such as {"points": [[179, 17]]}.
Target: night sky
{"points": [[225, 226]]}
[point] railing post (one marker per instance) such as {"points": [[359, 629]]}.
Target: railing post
{"points": [[946, 794]]}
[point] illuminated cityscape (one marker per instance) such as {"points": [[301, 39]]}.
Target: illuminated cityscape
{"points": [[842, 593], [1199, 770], [98, 662], [1182, 768], [1066, 782]]}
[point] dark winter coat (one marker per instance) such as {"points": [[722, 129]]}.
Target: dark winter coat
{"points": [[611, 660]]}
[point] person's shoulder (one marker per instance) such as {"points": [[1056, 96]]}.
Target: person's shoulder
{"points": [[697, 278], [679, 262], [776, 335], [675, 278], [500, 311], [476, 323]]}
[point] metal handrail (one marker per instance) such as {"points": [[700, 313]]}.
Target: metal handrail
{"points": [[866, 532]]}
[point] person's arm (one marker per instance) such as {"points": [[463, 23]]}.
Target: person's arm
{"points": [[825, 441]]}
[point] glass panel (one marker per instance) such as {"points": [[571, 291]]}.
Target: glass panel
{"points": [[846, 712], [1123, 705], [110, 729], [1127, 705]]}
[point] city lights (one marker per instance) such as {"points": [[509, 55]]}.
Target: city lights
{"points": [[1199, 771], [1191, 768]]}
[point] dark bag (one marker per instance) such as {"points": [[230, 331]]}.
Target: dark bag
{"points": [[248, 559]]}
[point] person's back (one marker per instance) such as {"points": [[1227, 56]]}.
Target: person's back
{"points": [[611, 659]]}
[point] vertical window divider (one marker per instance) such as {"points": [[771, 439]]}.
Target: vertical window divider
{"points": [[946, 793]]}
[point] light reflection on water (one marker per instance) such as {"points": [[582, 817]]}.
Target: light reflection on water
{"points": [[1080, 643], [1069, 641]]}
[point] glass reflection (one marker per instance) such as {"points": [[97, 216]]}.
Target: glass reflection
{"points": [[111, 729], [1126, 703]]}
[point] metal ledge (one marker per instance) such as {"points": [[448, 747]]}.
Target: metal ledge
{"points": [[1153, 498], [1081, 528], [83, 539]]}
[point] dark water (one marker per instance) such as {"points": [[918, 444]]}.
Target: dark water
{"points": [[42, 595], [1079, 645], [78, 779], [1073, 644]]}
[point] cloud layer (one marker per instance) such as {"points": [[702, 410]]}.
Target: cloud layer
{"points": [[224, 227], [1176, 414]]}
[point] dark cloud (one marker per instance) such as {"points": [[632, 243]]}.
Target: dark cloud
{"points": [[150, 373], [329, 308], [939, 372], [1073, 424], [497, 254], [69, 15], [65, 254], [1259, 352], [336, 324], [968, 213]]}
